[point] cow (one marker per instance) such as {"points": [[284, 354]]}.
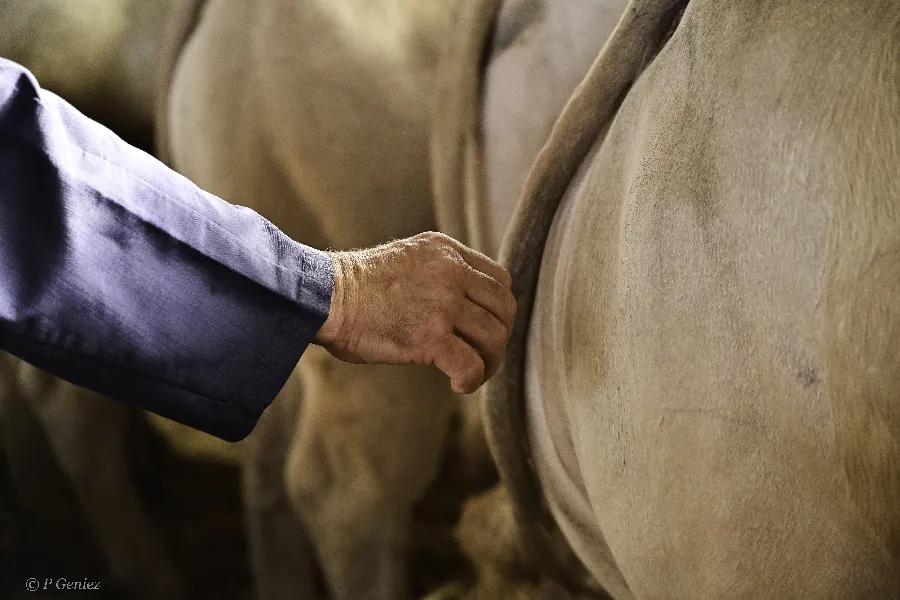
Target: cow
{"points": [[502, 82], [101, 57], [316, 115], [699, 398]]}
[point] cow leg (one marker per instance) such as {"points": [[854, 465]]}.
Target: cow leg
{"points": [[472, 447], [37, 484], [87, 433], [280, 553], [368, 444]]}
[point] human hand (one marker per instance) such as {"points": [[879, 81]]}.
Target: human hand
{"points": [[427, 299]]}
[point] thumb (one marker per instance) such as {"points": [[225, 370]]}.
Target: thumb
{"points": [[461, 363]]}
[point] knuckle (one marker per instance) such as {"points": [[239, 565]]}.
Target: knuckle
{"points": [[444, 257], [440, 237], [492, 330], [512, 304], [497, 289], [505, 278], [462, 272], [498, 334], [437, 241], [427, 235]]}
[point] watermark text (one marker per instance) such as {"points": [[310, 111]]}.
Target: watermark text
{"points": [[33, 584]]}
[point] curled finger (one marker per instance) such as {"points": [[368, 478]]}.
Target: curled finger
{"points": [[491, 295], [485, 333], [461, 363]]}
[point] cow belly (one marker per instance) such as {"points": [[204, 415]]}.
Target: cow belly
{"points": [[549, 430], [566, 498], [681, 307]]}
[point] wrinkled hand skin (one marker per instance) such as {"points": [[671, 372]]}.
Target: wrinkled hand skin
{"points": [[427, 299]]}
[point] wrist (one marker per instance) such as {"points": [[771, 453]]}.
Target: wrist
{"points": [[328, 331], [335, 325]]}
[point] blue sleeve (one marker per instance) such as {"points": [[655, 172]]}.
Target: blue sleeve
{"points": [[120, 275]]}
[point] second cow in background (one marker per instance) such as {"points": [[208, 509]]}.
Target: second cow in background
{"points": [[316, 115]]}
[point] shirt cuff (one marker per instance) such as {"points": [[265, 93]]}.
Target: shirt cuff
{"points": [[294, 333]]}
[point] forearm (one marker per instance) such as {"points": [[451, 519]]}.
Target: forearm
{"points": [[122, 276]]}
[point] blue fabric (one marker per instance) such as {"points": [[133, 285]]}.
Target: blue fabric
{"points": [[120, 275]]}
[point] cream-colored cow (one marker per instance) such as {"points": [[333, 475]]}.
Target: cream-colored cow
{"points": [[316, 115], [700, 397]]}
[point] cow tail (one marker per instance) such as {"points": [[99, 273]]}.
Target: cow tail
{"points": [[640, 33], [181, 24], [862, 294], [455, 146]]}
